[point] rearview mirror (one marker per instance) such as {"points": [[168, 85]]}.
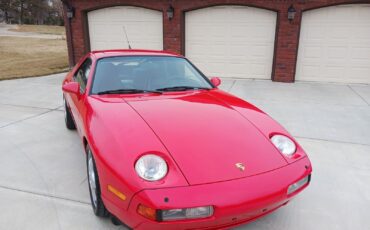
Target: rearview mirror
{"points": [[216, 81], [72, 87]]}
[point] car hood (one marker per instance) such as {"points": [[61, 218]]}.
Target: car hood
{"points": [[207, 138]]}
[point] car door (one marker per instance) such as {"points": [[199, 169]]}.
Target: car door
{"points": [[79, 109]]}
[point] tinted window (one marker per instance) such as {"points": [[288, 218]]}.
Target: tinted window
{"points": [[82, 74], [145, 73]]}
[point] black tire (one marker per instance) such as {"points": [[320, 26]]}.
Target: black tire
{"points": [[115, 221], [95, 193], [70, 123]]}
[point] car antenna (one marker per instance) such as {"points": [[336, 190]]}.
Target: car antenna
{"points": [[128, 42]]}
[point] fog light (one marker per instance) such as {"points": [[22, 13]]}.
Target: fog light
{"points": [[186, 213], [299, 184]]}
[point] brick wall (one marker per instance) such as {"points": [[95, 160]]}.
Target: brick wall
{"points": [[287, 34]]}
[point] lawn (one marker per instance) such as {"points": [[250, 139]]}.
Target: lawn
{"points": [[42, 29], [28, 57]]}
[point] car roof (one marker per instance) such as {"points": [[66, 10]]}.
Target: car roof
{"points": [[132, 52]]}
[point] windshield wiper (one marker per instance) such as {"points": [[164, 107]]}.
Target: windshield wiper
{"points": [[181, 88], [128, 91]]}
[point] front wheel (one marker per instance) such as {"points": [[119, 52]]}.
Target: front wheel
{"points": [[94, 186]]}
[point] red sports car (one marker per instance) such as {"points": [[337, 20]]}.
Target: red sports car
{"points": [[167, 149]]}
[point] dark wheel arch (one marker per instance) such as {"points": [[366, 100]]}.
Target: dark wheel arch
{"points": [[68, 118], [95, 191]]}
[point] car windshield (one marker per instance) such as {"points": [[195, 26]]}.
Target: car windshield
{"points": [[137, 74]]}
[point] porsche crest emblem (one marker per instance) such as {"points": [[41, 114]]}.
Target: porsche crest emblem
{"points": [[240, 166]]}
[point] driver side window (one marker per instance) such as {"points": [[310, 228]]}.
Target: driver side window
{"points": [[82, 74]]}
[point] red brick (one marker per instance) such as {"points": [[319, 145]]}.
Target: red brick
{"points": [[287, 33]]}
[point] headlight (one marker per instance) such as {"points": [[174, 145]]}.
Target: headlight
{"points": [[151, 167], [186, 213], [285, 145]]}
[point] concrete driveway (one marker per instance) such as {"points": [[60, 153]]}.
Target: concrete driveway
{"points": [[42, 166]]}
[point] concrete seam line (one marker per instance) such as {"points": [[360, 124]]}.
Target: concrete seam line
{"points": [[27, 106], [232, 86], [355, 92], [31, 117], [307, 102], [335, 141], [44, 195]]}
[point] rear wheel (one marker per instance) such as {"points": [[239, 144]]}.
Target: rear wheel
{"points": [[94, 186], [70, 124]]}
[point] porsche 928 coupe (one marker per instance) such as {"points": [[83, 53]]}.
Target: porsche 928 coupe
{"points": [[166, 149]]}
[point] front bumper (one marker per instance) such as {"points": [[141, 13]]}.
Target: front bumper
{"points": [[235, 202]]}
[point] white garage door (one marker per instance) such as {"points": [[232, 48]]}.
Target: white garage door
{"points": [[334, 45], [144, 28], [231, 41]]}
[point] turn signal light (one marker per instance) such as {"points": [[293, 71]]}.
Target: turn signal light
{"points": [[147, 212], [299, 184], [116, 192]]}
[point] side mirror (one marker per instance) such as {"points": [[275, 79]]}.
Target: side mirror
{"points": [[72, 87], [216, 81]]}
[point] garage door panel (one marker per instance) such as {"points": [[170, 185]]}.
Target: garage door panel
{"points": [[334, 45], [337, 53], [313, 52], [144, 28], [262, 34], [361, 52], [360, 70], [362, 33], [338, 32], [334, 71], [224, 41], [363, 14], [313, 33], [258, 69], [238, 52], [340, 14], [259, 51]]}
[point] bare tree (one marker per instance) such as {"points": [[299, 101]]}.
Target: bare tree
{"points": [[5, 6], [57, 5], [33, 11], [38, 10], [20, 5]]}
